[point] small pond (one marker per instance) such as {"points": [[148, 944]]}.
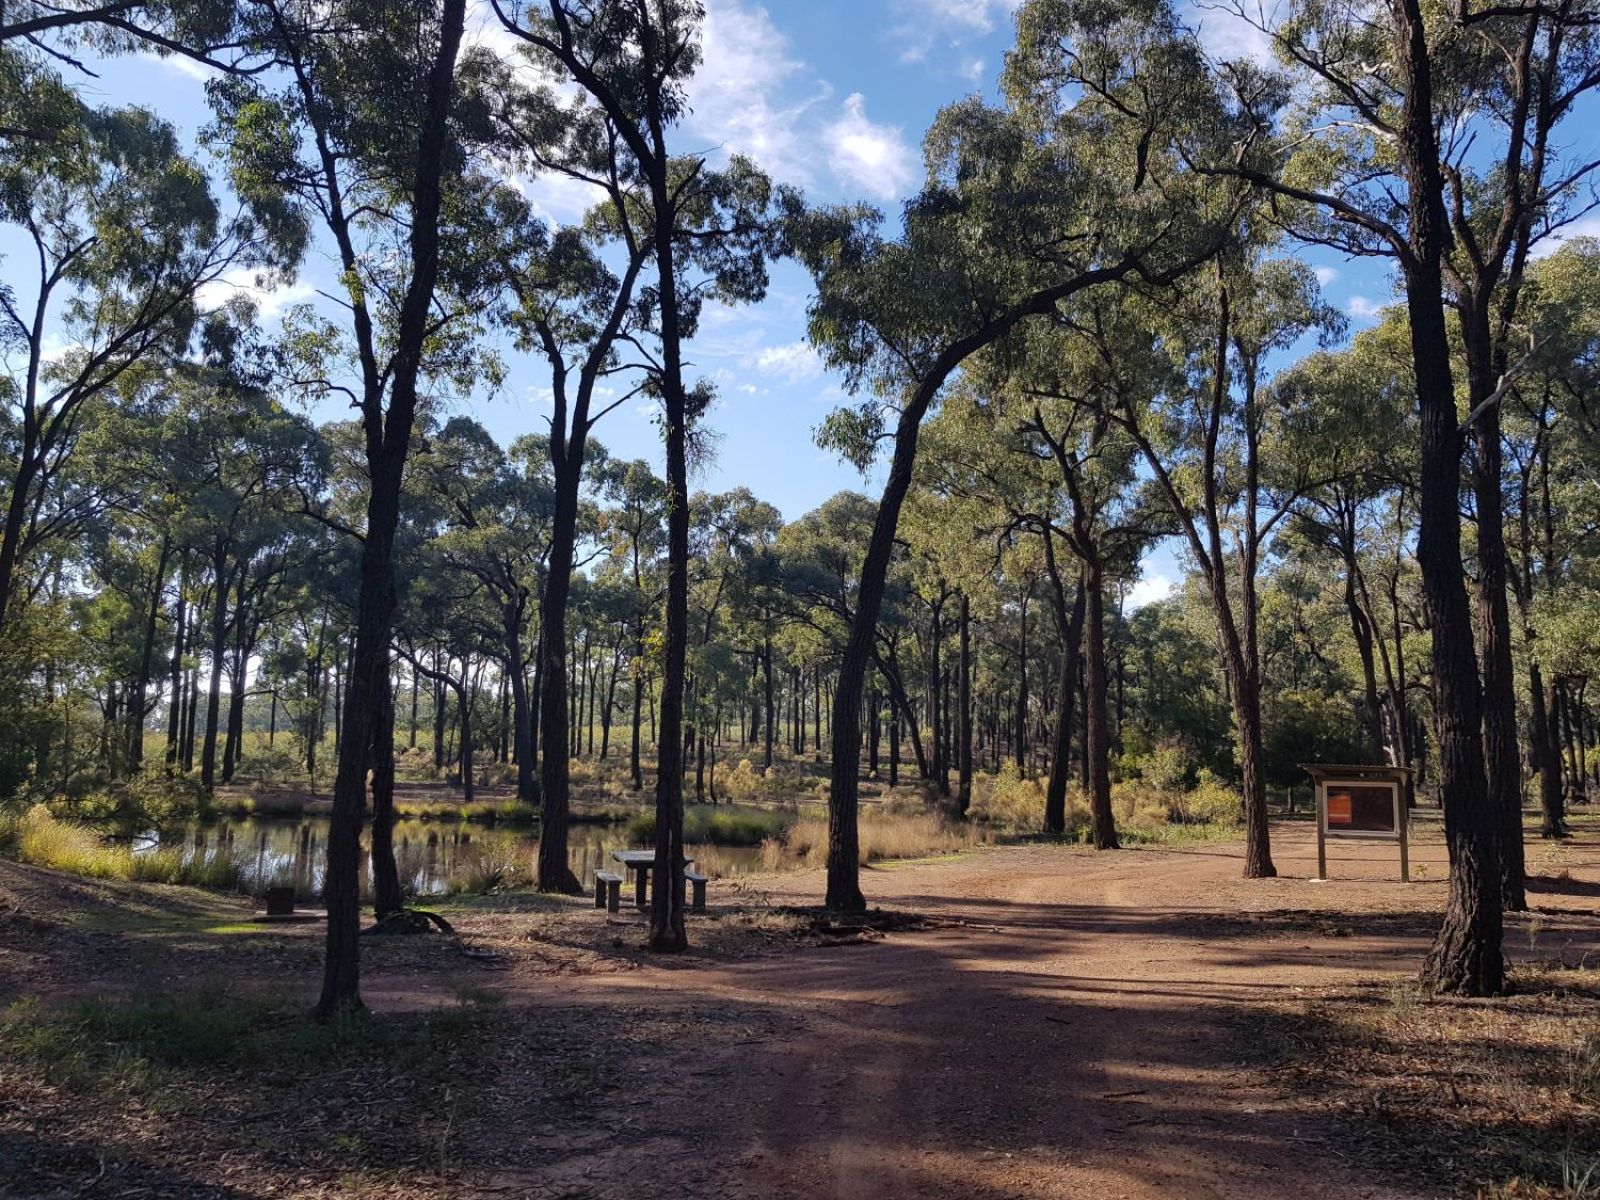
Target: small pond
{"points": [[274, 851]]}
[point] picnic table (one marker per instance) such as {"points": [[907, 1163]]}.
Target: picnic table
{"points": [[641, 862]]}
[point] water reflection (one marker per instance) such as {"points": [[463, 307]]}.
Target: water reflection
{"points": [[273, 852]]}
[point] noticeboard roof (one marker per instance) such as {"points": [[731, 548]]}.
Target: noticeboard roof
{"points": [[1321, 771]]}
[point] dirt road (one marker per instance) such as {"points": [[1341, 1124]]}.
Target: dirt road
{"points": [[1083, 1026]]}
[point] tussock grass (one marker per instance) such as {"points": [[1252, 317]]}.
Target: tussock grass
{"points": [[717, 826], [881, 836], [48, 841], [487, 867]]}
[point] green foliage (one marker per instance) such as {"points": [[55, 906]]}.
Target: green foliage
{"points": [[717, 825], [1304, 727], [137, 1042]]}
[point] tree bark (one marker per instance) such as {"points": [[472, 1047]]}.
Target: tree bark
{"points": [[1102, 820], [386, 895], [388, 442]]}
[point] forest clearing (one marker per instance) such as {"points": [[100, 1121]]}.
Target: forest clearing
{"points": [[954, 598], [1187, 1033]]}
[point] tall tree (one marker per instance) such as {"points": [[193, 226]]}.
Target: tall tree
{"points": [[359, 128], [709, 235]]}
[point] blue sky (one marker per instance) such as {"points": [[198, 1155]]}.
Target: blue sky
{"points": [[832, 95]]}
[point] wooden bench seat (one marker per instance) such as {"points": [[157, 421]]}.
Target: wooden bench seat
{"points": [[608, 891]]}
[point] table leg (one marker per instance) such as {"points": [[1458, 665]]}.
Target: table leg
{"points": [[639, 876]]}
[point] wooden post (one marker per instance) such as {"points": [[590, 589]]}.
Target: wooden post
{"points": [[1320, 804], [1405, 837]]}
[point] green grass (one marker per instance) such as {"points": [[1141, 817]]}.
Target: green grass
{"points": [[717, 825], [144, 1041], [48, 841]]}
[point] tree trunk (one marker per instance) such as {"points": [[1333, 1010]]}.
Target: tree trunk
{"points": [[219, 637], [180, 631], [1466, 957], [1102, 820], [1547, 756], [766, 667], [138, 707], [1071, 632], [555, 869], [1502, 764], [386, 895], [964, 711], [388, 437]]}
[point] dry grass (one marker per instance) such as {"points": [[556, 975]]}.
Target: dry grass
{"points": [[1494, 1098], [881, 836]]}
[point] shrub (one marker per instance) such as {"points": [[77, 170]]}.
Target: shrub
{"points": [[151, 798], [1008, 801], [489, 866], [1212, 803], [740, 782], [276, 764], [716, 826]]}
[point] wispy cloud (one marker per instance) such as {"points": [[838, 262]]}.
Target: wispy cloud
{"points": [[270, 300], [793, 362], [753, 95], [1325, 275], [922, 25], [1363, 308]]}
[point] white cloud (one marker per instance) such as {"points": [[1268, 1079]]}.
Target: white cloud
{"points": [[794, 362], [1363, 308], [270, 301], [754, 96], [1152, 586], [924, 24], [870, 156], [735, 97], [1584, 227], [560, 199], [182, 64], [1325, 275], [1228, 37]]}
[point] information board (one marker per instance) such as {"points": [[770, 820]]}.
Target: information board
{"points": [[1362, 809], [1360, 802]]}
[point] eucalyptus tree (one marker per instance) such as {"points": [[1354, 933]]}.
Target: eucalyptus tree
{"points": [[203, 30], [585, 320], [1106, 529], [633, 526], [821, 554], [710, 234], [734, 537], [1184, 377], [495, 509], [121, 231], [1359, 514], [1432, 139], [1552, 429], [362, 126], [1071, 185]]}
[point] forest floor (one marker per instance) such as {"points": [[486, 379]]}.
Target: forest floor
{"points": [[1036, 1021]]}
